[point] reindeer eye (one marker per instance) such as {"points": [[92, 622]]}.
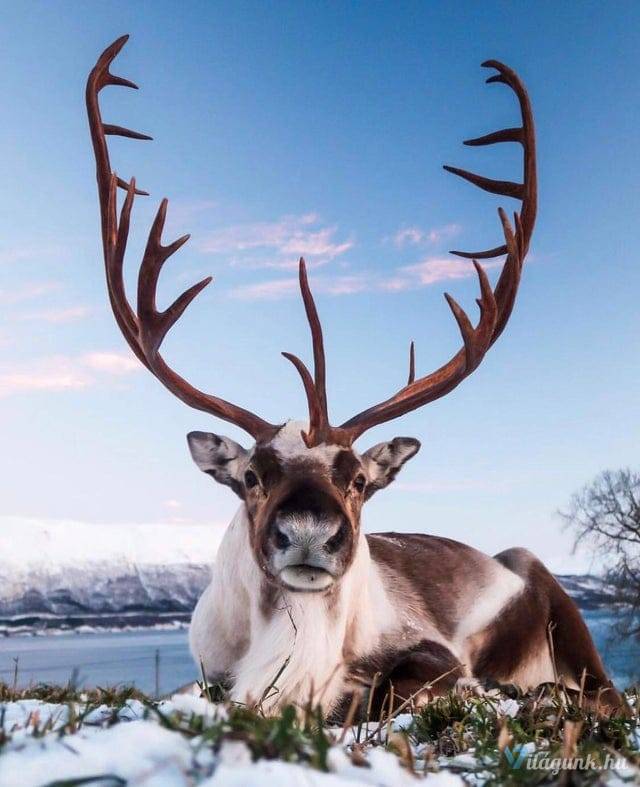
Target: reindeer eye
{"points": [[359, 483], [250, 479]]}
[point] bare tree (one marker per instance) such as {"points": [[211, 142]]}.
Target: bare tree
{"points": [[605, 514]]}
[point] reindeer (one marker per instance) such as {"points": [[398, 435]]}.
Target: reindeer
{"points": [[302, 605]]}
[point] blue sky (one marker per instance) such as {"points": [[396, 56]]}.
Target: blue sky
{"points": [[283, 129]]}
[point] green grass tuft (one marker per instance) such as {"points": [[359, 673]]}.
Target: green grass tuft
{"points": [[448, 727]]}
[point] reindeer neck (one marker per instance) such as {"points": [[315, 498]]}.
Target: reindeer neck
{"points": [[301, 640]]}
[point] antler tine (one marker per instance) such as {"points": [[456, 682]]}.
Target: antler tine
{"points": [[145, 329], [99, 78], [313, 436], [505, 187], [509, 280], [115, 264], [504, 135], [525, 191], [154, 258], [315, 388], [119, 131], [155, 324], [114, 237], [317, 339], [495, 305], [412, 363], [467, 330], [476, 340], [489, 254]]}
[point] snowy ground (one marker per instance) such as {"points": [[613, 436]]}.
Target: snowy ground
{"points": [[188, 740], [139, 748]]}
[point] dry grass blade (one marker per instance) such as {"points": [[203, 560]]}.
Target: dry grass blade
{"points": [[425, 687]]}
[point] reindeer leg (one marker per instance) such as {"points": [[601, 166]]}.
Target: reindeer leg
{"points": [[417, 674]]}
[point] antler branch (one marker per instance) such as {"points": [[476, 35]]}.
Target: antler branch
{"points": [[146, 328], [495, 305]]}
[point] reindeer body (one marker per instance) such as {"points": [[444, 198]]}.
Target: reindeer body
{"points": [[408, 605], [302, 605]]}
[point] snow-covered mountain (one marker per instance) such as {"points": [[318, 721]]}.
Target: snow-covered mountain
{"points": [[59, 574], [71, 573], [588, 591]]}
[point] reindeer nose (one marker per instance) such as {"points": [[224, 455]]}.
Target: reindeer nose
{"points": [[334, 543], [282, 539]]}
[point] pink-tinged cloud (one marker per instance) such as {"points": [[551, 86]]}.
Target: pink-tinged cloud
{"points": [[437, 269], [64, 373], [416, 236], [115, 363], [282, 288], [26, 252], [343, 285], [277, 244], [27, 292], [408, 236], [266, 290], [57, 316], [439, 234], [432, 270], [57, 373], [395, 284]]}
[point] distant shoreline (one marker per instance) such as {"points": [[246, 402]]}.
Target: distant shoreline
{"points": [[51, 625], [589, 593]]}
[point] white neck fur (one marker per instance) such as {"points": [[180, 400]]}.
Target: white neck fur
{"points": [[298, 648]]}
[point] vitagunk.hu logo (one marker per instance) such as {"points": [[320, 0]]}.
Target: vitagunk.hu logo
{"points": [[522, 755], [515, 756]]}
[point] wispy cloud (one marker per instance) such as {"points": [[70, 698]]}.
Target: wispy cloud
{"points": [[115, 363], [266, 290], [26, 252], [277, 244], [408, 277], [281, 288], [64, 373], [431, 271], [26, 292], [416, 236], [55, 316]]}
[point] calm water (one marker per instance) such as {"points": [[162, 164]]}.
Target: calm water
{"points": [[130, 657], [100, 659], [622, 659]]}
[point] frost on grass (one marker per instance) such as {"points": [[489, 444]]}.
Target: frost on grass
{"points": [[56, 736]]}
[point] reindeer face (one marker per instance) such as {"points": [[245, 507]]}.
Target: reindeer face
{"points": [[303, 504]]}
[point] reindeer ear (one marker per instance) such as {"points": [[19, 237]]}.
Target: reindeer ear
{"points": [[384, 460], [219, 457]]}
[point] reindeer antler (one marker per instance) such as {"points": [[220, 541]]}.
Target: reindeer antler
{"points": [[495, 306], [145, 329]]}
